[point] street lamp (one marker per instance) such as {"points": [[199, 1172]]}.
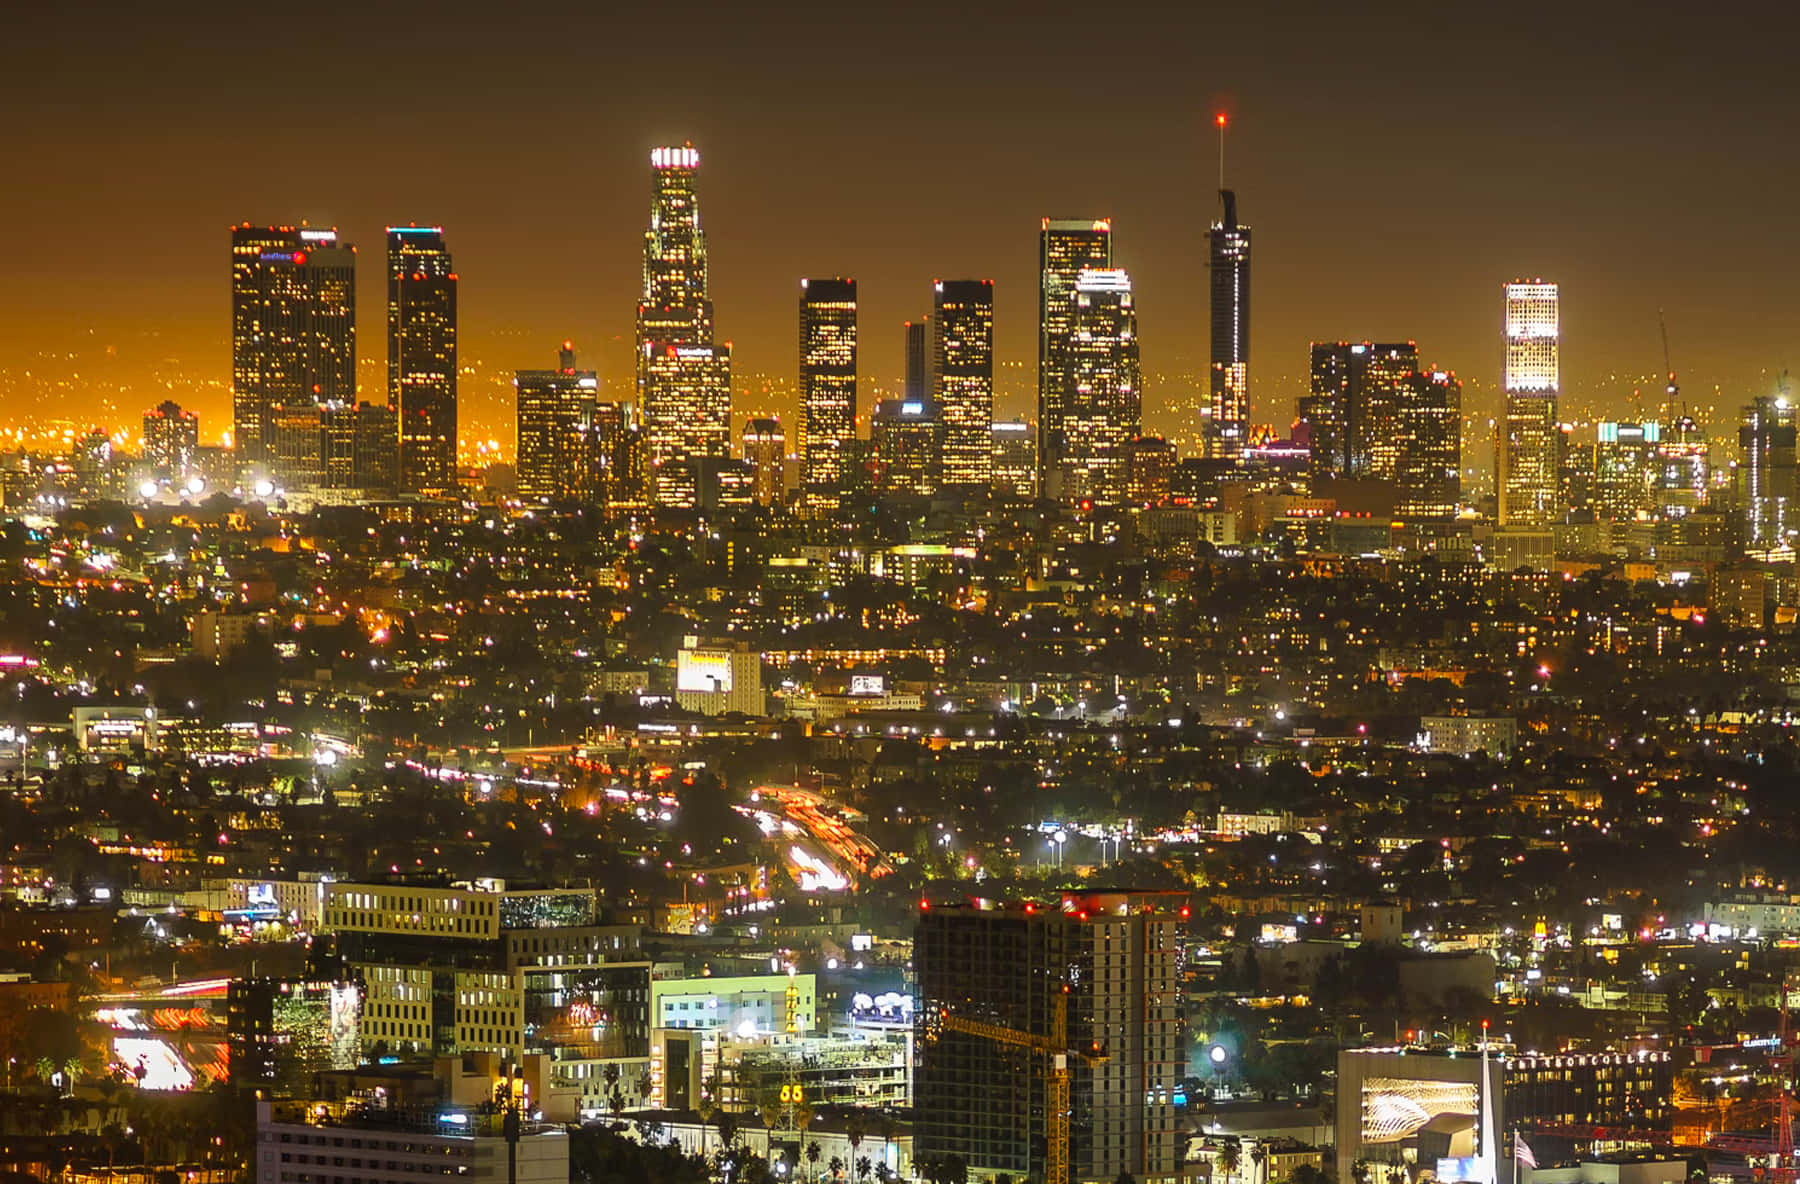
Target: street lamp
{"points": [[1059, 838], [1218, 1054]]}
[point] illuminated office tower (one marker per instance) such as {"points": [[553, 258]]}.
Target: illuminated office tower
{"points": [[1015, 459], [293, 329], [171, 440], [765, 451], [558, 449], [422, 355], [1624, 468], [333, 445], [1683, 469], [918, 362], [683, 376], [1353, 406], [1066, 248], [1767, 487], [906, 442], [827, 388], [1229, 245], [1103, 401], [962, 371], [1531, 379], [1149, 470], [1428, 452]]}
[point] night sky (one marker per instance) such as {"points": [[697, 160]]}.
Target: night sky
{"points": [[1397, 163]]}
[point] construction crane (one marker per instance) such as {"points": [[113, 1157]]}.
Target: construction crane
{"points": [[1672, 391], [1054, 1048]]}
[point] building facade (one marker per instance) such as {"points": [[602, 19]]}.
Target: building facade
{"points": [[1108, 961], [962, 355], [1527, 460], [683, 376], [827, 389], [1066, 248], [765, 451], [564, 444], [1103, 402], [422, 356], [1228, 245], [293, 329]]}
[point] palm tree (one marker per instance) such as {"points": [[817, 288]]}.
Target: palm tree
{"points": [[863, 1167], [1259, 1156], [1229, 1157], [813, 1151], [835, 1167], [854, 1130]]}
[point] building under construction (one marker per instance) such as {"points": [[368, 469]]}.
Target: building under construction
{"points": [[1048, 1039]]}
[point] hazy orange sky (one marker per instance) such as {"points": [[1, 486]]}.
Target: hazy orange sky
{"points": [[1397, 163]]}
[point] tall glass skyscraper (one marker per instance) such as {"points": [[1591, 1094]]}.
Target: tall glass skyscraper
{"points": [[827, 388], [1066, 248], [1229, 243], [962, 355], [1428, 445], [293, 329], [918, 361], [555, 422], [422, 355], [1104, 399], [683, 377], [1531, 379]]}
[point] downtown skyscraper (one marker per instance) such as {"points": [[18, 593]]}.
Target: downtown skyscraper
{"points": [[683, 377], [1066, 248], [556, 424], [422, 356], [293, 330], [962, 373], [1228, 431], [827, 389], [1526, 456], [1103, 407]]}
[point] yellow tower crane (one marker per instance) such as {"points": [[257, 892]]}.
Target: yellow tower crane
{"points": [[1054, 1048]]}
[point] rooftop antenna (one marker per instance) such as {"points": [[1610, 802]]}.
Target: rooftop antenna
{"points": [[1672, 391], [1220, 120]]}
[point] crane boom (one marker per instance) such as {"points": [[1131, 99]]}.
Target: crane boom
{"points": [[1054, 1048]]}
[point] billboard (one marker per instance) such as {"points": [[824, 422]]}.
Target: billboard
{"points": [[703, 670], [868, 684]]}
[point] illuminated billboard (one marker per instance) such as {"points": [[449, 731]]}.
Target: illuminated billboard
{"points": [[703, 670], [868, 684], [1394, 1107]]}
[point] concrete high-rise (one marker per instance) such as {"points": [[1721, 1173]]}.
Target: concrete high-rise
{"points": [[683, 376], [765, 451], [918, 387], [1015, 459], [1531, 379], [293, 329], [1108, 962], [1767, 486], [171, 440], [1102, 405], [422, 355], [1428, 445], [560, 444], [1229, 266], [906, 447], [1352, 409], [962, 371], [1066, 248], [827, 388]]}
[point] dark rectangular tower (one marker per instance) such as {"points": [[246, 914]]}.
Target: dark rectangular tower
{"points": [[422, 355]]}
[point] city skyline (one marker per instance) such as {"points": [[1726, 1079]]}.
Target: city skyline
{"points": [[563, 267]]}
